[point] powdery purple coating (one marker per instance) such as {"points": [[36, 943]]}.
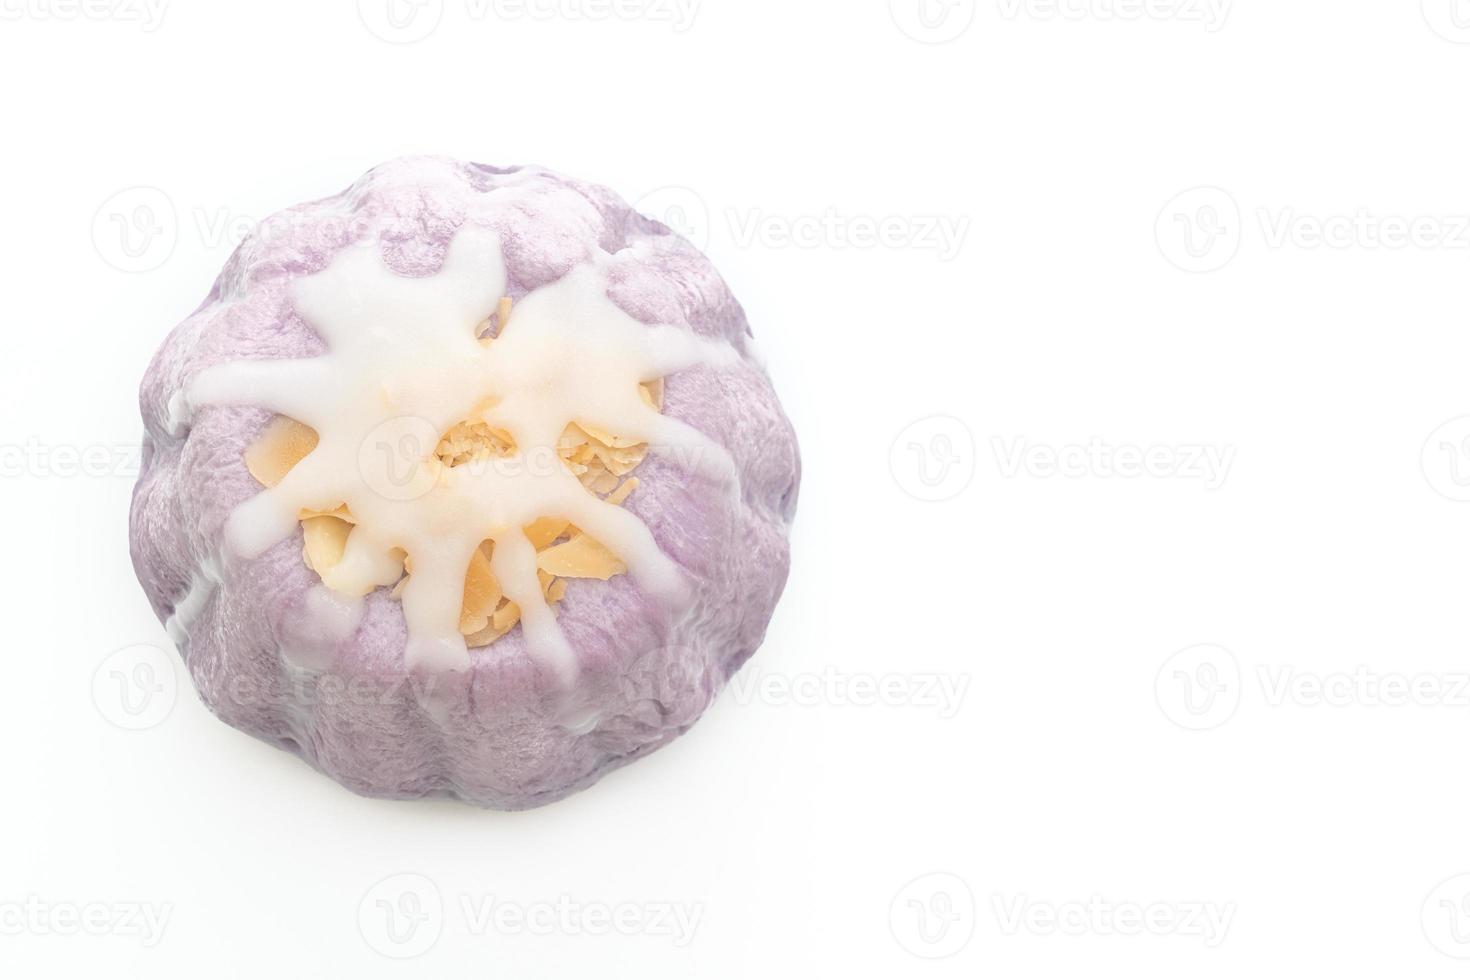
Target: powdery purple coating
{"points": [[495, 735]]}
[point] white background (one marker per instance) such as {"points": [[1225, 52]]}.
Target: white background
{"points": [[1269, 800]]}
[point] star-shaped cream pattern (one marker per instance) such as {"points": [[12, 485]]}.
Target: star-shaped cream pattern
{"points": [[407, 360]]}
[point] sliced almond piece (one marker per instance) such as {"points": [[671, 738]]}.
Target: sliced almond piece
{"points": [[341, 513], [623, 491], [486, 636], [581, 557], [557, 591], [481, 595], [571, 437], [621, 462], [506, 616], [607, 438], [545, 530], [471, 441], [326, 542], [604, 482], [653, 394], [283, 444]]}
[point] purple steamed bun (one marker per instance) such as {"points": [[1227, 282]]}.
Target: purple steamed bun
{"points": [[498, 734]]}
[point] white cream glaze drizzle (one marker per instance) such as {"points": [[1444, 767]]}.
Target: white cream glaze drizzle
{"points": [[186, 611], [404, 364]]}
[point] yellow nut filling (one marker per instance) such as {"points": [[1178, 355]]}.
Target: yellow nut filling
{"points": [[601, 460]]}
